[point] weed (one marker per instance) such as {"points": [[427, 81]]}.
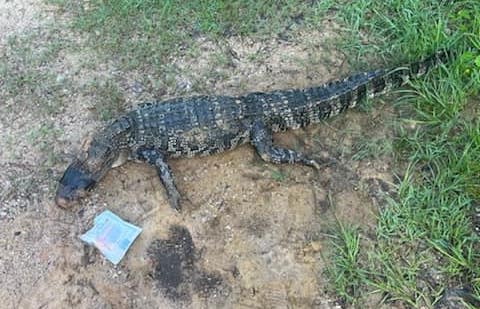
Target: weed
{"points": [[345, 272], [437, 192]]}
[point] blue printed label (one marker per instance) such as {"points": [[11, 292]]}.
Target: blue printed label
{"points": [[111, 235]]}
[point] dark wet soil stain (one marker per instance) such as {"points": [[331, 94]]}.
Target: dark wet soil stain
{"points": [[175, 269]]}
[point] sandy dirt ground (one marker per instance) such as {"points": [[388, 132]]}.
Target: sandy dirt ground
{"points": [[251, 234]]}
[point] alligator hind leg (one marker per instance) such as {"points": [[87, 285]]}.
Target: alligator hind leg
{"points": [[156, 158], [261, 139]]}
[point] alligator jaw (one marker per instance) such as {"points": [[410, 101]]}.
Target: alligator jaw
{"points": [[73, 185], [62, 202], [66, 196]]}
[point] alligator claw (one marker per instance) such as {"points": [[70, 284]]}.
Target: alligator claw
{"points": [[262, 140], [313, 164], [174, 201]]}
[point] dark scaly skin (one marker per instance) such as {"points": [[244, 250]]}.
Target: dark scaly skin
{"points": [[204, 125]]}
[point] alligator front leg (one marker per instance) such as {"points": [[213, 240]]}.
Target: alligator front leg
{"points": [[261, 139], [156, 158]]}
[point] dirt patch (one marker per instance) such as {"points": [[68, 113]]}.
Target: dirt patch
{"points": [[252, 234], [175, 270]]}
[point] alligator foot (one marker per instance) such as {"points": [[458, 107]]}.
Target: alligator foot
{"points": [[261, 139], [155, 157]]}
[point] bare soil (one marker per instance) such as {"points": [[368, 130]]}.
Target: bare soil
{"points": [[251, 234]]}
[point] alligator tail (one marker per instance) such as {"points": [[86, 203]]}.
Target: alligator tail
{"points": [[299, 107]]}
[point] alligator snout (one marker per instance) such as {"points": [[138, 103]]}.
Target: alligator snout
{"points": [[73, 185], [62, 202], [68, 194]]}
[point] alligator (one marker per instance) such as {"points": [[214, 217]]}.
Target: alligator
{"points": [[204, 125]]}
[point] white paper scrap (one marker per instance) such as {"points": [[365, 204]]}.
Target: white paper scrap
{"points": [[111, 235]]}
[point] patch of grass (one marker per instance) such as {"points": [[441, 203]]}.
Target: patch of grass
{"points": [[393, 30], [345, 271], [41, 137], [425, 240], [33, 89], [398, 282], [146, 33], [110, 100], [25, 67], [372, 148]]}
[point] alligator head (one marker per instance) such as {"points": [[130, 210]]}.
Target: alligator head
{"points": [[83, 174], [74, 184]]}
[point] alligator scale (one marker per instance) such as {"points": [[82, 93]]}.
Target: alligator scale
{"points": [[204, 125]]}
